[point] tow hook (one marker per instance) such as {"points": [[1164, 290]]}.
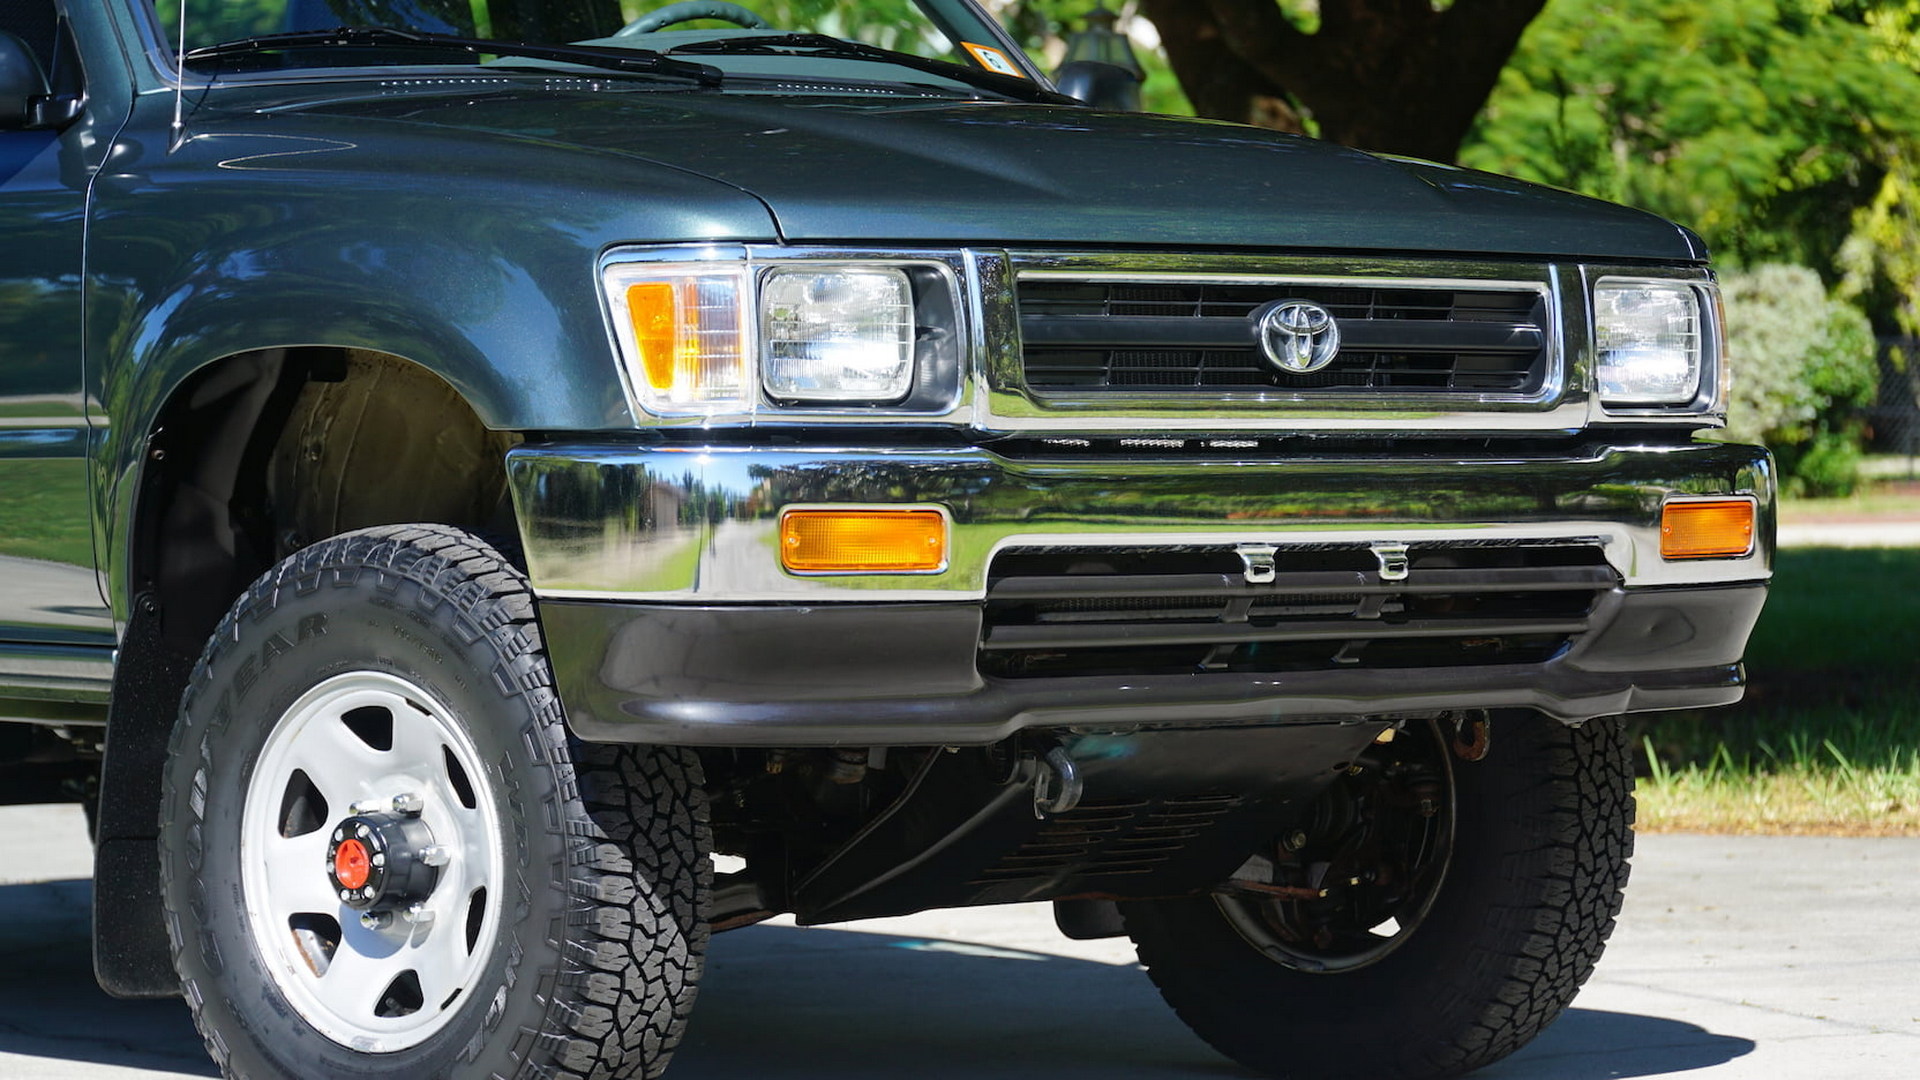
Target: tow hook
{"points": [[1061, 770], [1472, 735]]}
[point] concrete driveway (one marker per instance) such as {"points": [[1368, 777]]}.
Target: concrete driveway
{"points": [[1879, 532], [1760, 958]]}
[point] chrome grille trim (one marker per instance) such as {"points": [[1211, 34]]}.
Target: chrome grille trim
{"points": [[1553, 397]]}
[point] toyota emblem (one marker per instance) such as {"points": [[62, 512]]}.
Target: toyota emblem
{"points": [[1298, 336]]}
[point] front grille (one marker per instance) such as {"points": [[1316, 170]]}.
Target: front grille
{"points": [[1080, 612], [1097, 335]]}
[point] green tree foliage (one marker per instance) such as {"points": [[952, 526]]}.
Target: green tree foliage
{"points": [[1803, 368], [1881, 260], [1763, 124]]}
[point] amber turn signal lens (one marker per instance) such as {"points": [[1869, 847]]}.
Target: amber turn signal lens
{"points": [[1706, 530], [863, 541], [654, 308]]}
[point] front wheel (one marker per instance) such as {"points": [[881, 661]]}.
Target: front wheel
{"points": [[383, 856], [1439, 906]]}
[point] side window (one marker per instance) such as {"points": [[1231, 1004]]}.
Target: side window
{"points": [[34, 22], [45, 32]]}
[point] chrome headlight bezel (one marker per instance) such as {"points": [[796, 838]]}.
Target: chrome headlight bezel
{"points": [[934, 391], [1702, 398]]}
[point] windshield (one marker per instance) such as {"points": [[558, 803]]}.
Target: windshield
{"points": [[951, 40]]}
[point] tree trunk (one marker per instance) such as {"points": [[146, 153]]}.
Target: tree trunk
{"points": [[1393, 76]]}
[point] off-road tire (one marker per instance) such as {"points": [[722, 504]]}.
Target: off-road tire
{"points": [[600, 937], [1544, 832]]}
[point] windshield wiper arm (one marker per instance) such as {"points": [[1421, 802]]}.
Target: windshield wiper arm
{"points": [[826, 45], [642, 60]]}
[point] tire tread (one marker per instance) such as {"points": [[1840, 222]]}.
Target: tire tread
{"points": [[1569, 795], [630, 821]]}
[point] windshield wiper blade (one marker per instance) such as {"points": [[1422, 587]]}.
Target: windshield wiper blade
{"points": [[826, 45], [640, 60]]}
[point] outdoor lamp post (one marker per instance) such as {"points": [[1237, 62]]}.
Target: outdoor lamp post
{"points": [[1100, 68]]}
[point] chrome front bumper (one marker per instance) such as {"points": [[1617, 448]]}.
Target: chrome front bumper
{"points": [[633, 549]]}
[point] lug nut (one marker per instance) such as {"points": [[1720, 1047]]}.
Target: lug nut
{"points": [[1295, 840], [435, 855], [409, 804], [418, 915], [376, 920]]}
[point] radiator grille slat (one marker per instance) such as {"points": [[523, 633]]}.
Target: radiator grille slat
{"points": [[1103, 336]]}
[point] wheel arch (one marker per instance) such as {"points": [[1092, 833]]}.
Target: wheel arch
{"points": [[249, 458], [260, 453]]}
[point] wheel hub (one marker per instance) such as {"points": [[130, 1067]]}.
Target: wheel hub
{"points": [[1354, 879], [383, 861]]}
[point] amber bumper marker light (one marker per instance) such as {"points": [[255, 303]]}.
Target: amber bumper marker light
{"points": [[863, 541], [1721, 528]]}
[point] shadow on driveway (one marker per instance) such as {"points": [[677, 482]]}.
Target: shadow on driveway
{"points": [[785, 1002], [50, 1007], [1587, 1044], [782, 1003]]}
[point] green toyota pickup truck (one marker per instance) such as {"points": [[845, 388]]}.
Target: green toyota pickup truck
{"points": [[494, 491]]}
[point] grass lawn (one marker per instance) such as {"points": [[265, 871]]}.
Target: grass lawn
{"points": [[1828, 739]]}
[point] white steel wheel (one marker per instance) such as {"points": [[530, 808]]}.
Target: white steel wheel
{"points": [[377, 972], [383, 856]]}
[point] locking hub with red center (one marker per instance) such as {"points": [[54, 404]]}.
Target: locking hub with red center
{"points": [[383, 861]]}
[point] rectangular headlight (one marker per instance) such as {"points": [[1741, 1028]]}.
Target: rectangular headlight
{"points": [[1649, 340], [837, 334], [683, 335]]}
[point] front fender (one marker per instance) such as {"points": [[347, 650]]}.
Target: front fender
{"points": [[473, 256]]}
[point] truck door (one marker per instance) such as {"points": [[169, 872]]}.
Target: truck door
{"points": [[49, 592]]}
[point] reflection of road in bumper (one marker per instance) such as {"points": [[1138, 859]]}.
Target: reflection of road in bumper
{"points": [[614, 521], [669, 618]]}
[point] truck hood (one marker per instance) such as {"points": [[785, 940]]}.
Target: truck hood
{"points": [[910, 172]]}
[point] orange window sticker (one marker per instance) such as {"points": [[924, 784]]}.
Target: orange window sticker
{"points": [[993, 60]]}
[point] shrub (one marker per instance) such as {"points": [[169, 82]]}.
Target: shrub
{"points": [[1803, 370]]}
